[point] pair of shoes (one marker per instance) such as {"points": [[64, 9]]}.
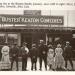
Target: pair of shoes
{"points": [[68, 70], [26, 70], [65, 69], [31, 69], [10, 69], [40, 69], [53, 69], [46, 69], [17, 70], [72, 70]]}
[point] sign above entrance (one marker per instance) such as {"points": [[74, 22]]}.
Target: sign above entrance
{"points": [[32, 12], [38, 20]]}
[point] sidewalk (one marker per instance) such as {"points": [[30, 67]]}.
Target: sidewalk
{"points": [[29, 65]]}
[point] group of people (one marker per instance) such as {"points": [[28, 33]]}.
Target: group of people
{"points": [[50, 56], [60, 57]]}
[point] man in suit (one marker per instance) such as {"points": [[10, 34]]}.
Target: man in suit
{"points": [[33, 55], [25, 52], [43, 49], [14, 55], [68, 54]]}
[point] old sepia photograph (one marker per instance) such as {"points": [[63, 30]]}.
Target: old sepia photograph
{"points": [[37, 40]]}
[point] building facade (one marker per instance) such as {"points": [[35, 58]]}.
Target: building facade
{"points": [[33, 25]]}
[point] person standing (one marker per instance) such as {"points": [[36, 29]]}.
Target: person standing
{"points": [[68, 54], [43, 49], [14, 54], [50, 57], [59, 60], [5, 60], [25, 52], [33, 55]]}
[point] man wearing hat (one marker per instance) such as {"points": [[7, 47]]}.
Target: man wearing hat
{"points": [[14, 55], [25, 52], [43, 49], [68, 54], [33, 55]]}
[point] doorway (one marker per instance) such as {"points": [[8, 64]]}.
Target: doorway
{"points": [[26, 37]]}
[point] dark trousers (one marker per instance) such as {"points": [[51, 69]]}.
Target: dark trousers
{"points": [[45, 61], [16, 60], [24, 63], [70, 60], [33, 62]]}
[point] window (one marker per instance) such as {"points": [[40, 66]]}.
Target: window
{"points": [[2, 39], [12, 38]]}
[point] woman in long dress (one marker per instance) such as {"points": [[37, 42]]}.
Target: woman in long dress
{"points": [[50, 57], [5, 61], [59, 60]]}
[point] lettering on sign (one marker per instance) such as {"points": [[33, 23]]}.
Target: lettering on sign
{"points": [[21, 19]]}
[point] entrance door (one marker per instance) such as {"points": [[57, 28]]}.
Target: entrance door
{"points": [[26, 37]]}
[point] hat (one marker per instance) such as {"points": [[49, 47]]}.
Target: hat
{"points": [[50, 46], [58, 45], [67, 42], [24, 43], [33, 45], [41, 41]]}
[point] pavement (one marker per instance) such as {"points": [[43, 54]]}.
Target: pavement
{"points": [[29, 65]]}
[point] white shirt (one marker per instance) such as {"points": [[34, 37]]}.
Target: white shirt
{"points": [[27, 50]]}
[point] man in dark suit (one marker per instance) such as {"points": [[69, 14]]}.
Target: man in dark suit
{"points": [[14, 55], [68, 54], [33, 55], [43, 49], [25, 52]]}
